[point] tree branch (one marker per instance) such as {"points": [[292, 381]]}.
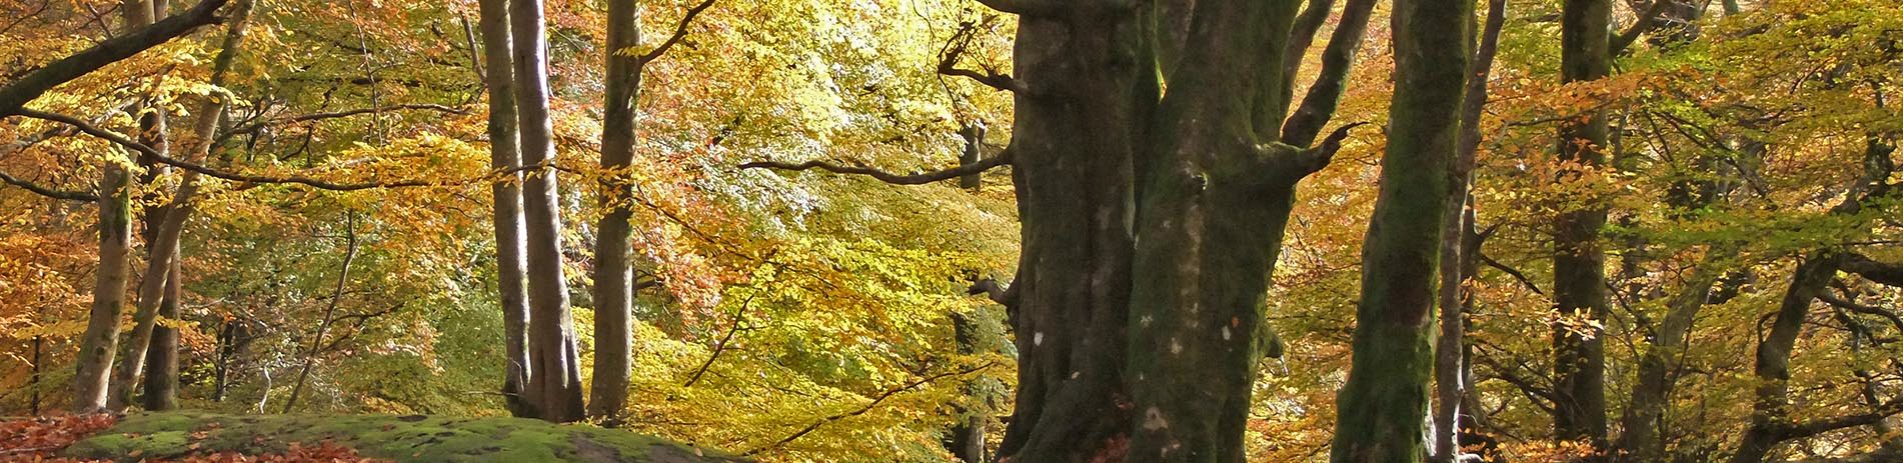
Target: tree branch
{"points": [[888, 177], [868, 407], [1524, 281], [256, 126], [1799, 430], [47, 192], [680, 32], [1647, 21], [1024, 7], [15, 95], [154, 154], [1318, 105], [1314, 159], [1870, 269], [955, 47], [1895, 319]]}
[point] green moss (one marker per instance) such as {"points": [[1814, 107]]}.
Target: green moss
{"points": [[401, 438]]}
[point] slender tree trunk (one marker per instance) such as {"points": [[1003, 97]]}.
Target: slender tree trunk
{"points": [[1381, 406], [33, 384], [1579, 261], [1450, 349], [330, 313], [1773, 367], [99, 344], [554, 386], [504, 156], [161, 361], [966, 439], [614, 273], [1643, 438], [974, 135], [164, 247]]}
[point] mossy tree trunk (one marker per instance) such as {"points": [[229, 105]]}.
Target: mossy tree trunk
{"points": [[1579, 260], [1381, 408], [505, 156], [1074, 149], [1099, 158]]}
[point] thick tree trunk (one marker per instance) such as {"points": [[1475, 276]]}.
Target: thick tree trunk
{"points": [[1381, 406], [1579, 274], [1450, 379], [554, 386], [614, 273], [504, 156], [1216, 193], [1074, 147]]}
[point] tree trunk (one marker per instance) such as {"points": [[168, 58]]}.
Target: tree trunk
{"points": [[504, 156], [1773, 367], [99, 344], [163, 249], [966, 439], [1579, 274], [161, 361], [1074, 147], [974, 135], [554, 387], [614, 274], [1381, 406], [1450, 380]]}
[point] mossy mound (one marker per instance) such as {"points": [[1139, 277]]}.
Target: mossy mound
{"points": [[414, 438]]}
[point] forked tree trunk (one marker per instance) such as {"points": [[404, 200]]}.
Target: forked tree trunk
{"points": [[505, 157], [1380, 409], [614, 273], [1579, 260], [554, 386]]}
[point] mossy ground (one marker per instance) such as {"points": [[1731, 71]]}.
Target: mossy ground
{"points": [[414, 438]]}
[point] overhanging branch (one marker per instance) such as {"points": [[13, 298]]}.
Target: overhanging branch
{"points": [[154, 154], [1873, 270], [47, 192], [15, 95], [888, 177]]}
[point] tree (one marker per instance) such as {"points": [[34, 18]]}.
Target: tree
{"points": [[505, 156], [554, 372], [1385, 400], [1579, 260]]}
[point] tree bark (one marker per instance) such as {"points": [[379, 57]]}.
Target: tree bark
{"points": [[1380, 408], [161, 361], [1074, 149], [1579, 260], [974, 135], [1450, 379], [614, 273], [505, 156], [163, 249], [554, 386]]}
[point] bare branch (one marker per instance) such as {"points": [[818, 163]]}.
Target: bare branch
{"points": [[1648, 20], [955, 47], [1895, 319], [888, 177], [1314, 159], [254, 127], [680, 32], [1516, 274], [47, 192]]}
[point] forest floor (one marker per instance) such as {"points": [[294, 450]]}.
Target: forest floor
{"points": [[207, 437]]}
